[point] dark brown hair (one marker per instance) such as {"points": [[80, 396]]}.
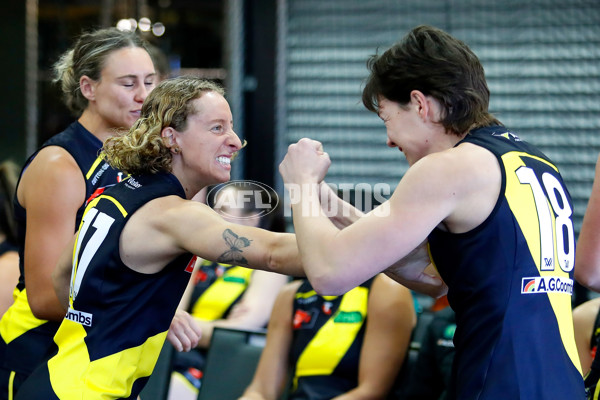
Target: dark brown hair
{"points": [[432, 61]]}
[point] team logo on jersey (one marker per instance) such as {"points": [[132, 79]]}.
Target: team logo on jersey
{"points": [[327, 307], [80, 317], [190, 266], [131, 183], [507, 135], [100, 172], [306, 298], [301, 317], [348, 317], [546, 284]]}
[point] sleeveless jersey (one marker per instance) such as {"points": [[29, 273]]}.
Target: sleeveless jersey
{"points": [[217, 289], [510, 283], [26, 339], [593, 376], [118, 318], [595, 336], [328, 333], [7, 246]]}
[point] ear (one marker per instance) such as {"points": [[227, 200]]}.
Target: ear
{"points": [[428, 107], [421, 103], [88, 87], [169, 137]]}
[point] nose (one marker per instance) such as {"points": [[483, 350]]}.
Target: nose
{"points": [[234, 141], [390, 143], [142, 92]]}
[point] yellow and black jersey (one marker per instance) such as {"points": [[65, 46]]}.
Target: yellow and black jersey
{"points": [[217, 289], [510, 283], [118, 319], [595, 336], [25, 338], [593, 376], [328, 333]]}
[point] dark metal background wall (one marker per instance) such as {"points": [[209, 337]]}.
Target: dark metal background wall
{"points": [[542, 60]]}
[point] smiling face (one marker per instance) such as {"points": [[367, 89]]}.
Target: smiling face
{"points": [[208, 141], [403, 126], [414, 128], [126, 79]]}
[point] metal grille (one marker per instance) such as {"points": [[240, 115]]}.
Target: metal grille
{"points": [[542, 61]]}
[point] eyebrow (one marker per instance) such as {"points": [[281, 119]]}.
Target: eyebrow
{"points": [[220, 121], [135, 76]]}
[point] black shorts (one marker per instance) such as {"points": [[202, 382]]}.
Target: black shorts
{"points": [[10, 383]]}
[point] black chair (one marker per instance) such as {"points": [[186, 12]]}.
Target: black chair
{"points": [[230, 362], [157, 387], [418, 334]]}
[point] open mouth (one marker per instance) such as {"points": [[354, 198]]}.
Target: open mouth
{"points": [[224, 160]]}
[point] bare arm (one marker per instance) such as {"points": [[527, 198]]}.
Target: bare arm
{"points": [[418, 263], [429, 193], [169, 226], [184, 333], [584, 317], [417, 260], [9, 276], [271, 373], [390, 320], [184, 303], [253, 310], [52, 190], [62, 274], [587, 256], [340, 212]]}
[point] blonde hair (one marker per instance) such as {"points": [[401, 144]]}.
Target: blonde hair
{"points": [[142, 149], [87, 57]]}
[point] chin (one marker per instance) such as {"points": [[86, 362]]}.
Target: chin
{"points": [[222, 179]]}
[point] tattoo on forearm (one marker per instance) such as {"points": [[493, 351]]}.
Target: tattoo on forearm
{"points": [[236, 244]]}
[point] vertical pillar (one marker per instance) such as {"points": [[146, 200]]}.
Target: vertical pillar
{"points": [[12, 101]]}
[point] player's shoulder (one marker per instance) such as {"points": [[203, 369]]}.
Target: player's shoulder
{"points": [[52, 160], [587, 309], [457, 162]]}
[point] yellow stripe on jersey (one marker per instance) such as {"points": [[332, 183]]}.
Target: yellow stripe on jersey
{"points": [[219, 296], [332, 341], [74, 377], [109, 198], [522, 203], [92, 169], [19, 318], [312, 293], [74, 260], [11, 384]]}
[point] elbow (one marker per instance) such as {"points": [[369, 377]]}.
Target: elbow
{"points": [[40, 311], [588, 277], [46, 309], [328, 284], [437, 291]]}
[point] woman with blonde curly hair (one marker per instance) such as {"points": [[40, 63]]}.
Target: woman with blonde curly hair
{"points": [[132, 258], [104, 78]]}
